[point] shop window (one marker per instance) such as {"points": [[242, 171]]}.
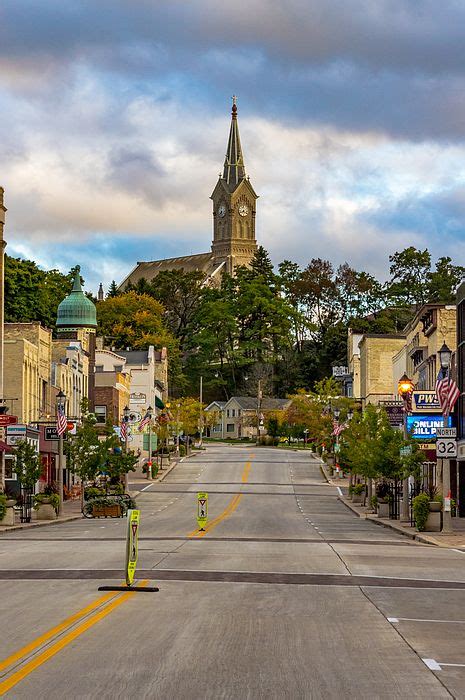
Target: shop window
{"points": [[101, 414]]}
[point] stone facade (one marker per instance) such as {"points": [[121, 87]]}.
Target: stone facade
{"points": [[70, 373], [27, 371], [376, 353]]}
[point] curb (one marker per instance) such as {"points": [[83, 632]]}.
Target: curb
{"points": [[159, 479], [390, 525], [42, 523]]}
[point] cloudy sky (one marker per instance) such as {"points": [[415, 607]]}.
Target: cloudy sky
{"points": [[114, 117]]}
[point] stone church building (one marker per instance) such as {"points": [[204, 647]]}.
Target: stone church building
{"points": [[234, 242]]}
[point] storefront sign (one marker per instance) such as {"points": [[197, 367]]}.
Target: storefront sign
{"points": [[8, 420], [423, 427], [395, 415], [340, 371], [137, 398], [425, 401]]}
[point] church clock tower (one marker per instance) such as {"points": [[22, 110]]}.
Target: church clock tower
{"points": [[234, 202]]}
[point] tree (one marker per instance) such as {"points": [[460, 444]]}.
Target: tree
{"points": [[113, 290], [28, 466], [136, 321], [444, 280], [409, 270]]}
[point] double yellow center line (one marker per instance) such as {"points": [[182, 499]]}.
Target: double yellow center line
{"points": [[230, 508], [91, 618]]}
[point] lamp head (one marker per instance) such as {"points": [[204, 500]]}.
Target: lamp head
{"points": [[126, 411], [445, 354], [337, 413], [405, 385], [61, 398], [350, 414]]}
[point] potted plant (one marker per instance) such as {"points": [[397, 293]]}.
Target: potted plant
{"points": [[46, 505], [435, 499], [358, 491], [383, 495]]}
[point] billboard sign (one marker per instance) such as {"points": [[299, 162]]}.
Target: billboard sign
{"points": [[423, 427], [425, 401]]}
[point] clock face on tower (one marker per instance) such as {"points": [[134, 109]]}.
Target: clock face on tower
{"points": [[243, 210], [221, 210]]}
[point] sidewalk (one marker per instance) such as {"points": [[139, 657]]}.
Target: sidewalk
{"points": [[72, 509], [139, 479], [456, 540]]}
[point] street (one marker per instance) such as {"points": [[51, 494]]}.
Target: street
{"points": [[287, 594]]}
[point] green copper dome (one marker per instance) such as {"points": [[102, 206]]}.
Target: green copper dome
{"points": [[76, 310]]}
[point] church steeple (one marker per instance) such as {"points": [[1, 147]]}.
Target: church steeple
{"points": [[234, 201], [234, 169]]}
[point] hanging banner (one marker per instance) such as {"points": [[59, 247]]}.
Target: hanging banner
{"points": [[132, 545]]}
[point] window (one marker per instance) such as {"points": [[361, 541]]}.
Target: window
{"points": [[101, 414], [118, 368], [99, 368], [227, 413], [217, 428], [229, 427], [233, 413]]}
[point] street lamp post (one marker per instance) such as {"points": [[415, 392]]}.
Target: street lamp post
{"points": [[201, 412], [337, 414], [445, 355], [259, 407], [61, 403], [405, 388], [126, 412], [149, 461]]}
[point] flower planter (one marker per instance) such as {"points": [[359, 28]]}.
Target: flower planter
{"points": [[9, 517], [113, 511], [46, 511], [382, 510], [357, 498], [435, 506]]}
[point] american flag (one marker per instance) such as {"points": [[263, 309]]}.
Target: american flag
{"points": [[124, 430], [338, 427], [61, 420], [145, 421], [447, 392]]}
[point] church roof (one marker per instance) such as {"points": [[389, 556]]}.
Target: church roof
{"points": [[188, 263], [76, 310], [234, 168]]}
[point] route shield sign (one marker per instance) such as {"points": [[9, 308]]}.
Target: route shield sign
{"points": [[202, 510], [446, 448], [132, 545]]}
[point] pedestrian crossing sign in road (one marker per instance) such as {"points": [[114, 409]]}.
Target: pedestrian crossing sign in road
{"points": [[202, 510], [132, 545]]}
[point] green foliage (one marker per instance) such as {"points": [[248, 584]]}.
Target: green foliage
{"points": [[3, 500], [28, 466], [421, 510], [358, 489], [32, 294], [52, 498]]}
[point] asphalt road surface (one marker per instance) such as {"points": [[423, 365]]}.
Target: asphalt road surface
{"points": [[286, 594]]}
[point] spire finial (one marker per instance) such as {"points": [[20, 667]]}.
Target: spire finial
{"points": [[234, 106], [77, 279]]}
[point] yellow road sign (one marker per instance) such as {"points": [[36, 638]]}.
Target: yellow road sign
{"points": [[202, 509], [132, 545]]}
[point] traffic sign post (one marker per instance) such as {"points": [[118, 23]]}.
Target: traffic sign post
{"points": [[446, 448], [132, 554], [202, 510]]}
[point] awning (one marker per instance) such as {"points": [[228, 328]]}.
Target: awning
{"points": [[159, 403], [4, 447]]}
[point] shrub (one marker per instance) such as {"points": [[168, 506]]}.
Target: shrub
{"points": [[52, 498], [92, 492], [383, 490], [358, 489], [373, 502], [2, 506], [421, 510]]}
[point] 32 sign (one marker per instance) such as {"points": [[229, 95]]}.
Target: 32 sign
{"points": [[446, 448]]}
